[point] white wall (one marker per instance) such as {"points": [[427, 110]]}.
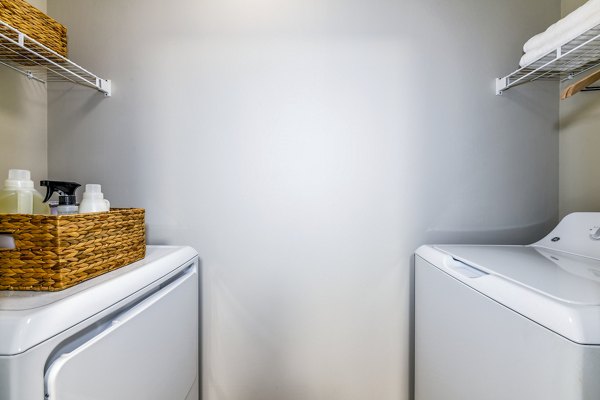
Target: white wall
{"points": [[306, 148], [579, 147], [23, 119]]}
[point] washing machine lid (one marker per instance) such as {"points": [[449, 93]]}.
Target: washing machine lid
{"points": [[554, 282], [562, 276], [557, 290], [28, 318], [564, 265]]}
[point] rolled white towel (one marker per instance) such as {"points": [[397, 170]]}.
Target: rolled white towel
{"points": [[562, 26], [576, 23]]}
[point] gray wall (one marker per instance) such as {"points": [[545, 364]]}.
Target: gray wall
{"points": [[23, 131], [305, 149]]}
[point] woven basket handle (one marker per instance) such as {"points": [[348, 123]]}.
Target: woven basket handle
{"points": [[7, 241]]}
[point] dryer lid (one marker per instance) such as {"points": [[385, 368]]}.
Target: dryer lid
{"points": [[29, 318]]}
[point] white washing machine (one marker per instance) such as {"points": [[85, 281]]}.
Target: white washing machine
{"points": [[129, 334], [511, 322]]}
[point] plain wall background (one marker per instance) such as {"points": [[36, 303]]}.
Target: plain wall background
{"points": [[305, 149], [23, 119]]}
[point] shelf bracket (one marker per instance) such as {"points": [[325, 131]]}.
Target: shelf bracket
{"points": [[104, 86], [500, 85]]}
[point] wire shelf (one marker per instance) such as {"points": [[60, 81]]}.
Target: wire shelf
{"points": [[29, 57], [567, 61]]}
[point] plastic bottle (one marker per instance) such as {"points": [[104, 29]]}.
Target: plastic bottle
{"points": [[67, 202], [93, 200], [19, 196]]}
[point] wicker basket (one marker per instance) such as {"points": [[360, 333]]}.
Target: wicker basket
{"points": [[55, 252], [34, 23]]}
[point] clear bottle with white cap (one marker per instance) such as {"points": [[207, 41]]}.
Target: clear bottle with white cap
{"points": [[18, 196], [93, 200]]}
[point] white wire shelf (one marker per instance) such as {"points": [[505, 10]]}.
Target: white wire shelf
{"points": [[29, 57], [571, 59]]}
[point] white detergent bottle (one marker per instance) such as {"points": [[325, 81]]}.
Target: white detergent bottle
{"points": [[93, 200], [19, 196]]}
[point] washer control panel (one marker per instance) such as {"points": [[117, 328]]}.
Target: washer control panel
{"points": [[577, 233]]}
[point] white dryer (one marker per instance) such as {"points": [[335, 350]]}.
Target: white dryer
{"points": [[511, 322], [129, 334]]}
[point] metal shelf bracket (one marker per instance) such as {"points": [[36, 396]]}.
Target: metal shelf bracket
{"points": [[500, 85]]}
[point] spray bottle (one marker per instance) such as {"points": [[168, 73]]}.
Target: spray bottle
{"points": [[67, 201]]}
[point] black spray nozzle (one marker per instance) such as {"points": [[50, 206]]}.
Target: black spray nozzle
{"points": [[66, 191]]}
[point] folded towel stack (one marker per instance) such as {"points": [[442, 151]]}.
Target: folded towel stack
{"points": [[576, 23]]}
